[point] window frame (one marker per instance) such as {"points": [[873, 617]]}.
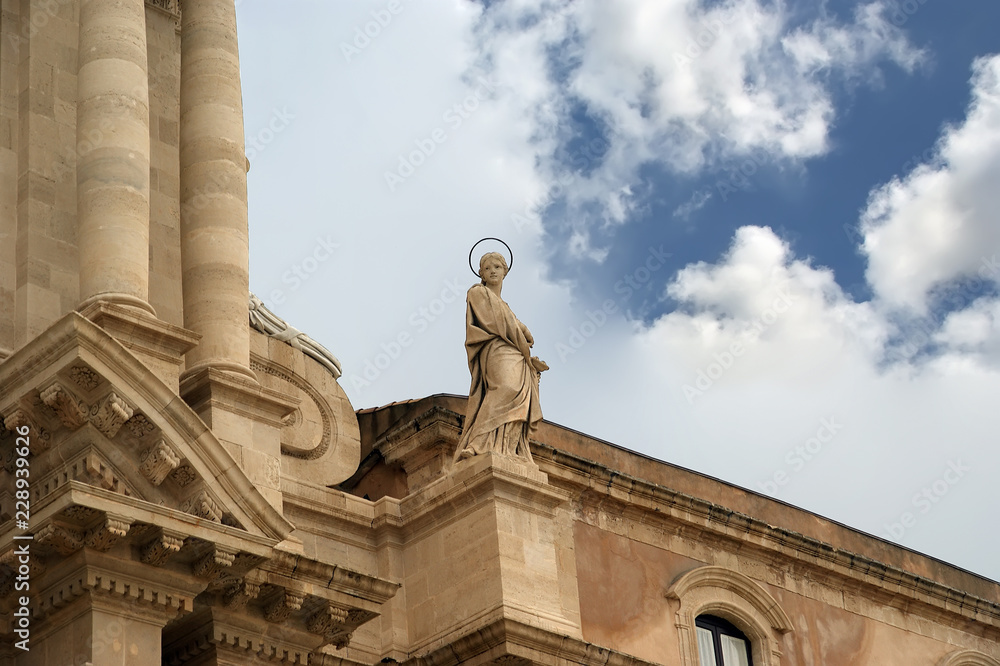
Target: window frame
{"points": [[721, 627]]}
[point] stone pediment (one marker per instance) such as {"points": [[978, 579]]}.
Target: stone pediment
{"points": [[98, 417]]}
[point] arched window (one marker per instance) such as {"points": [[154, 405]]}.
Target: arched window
{"points": [[720, 643], [968, 658], [750, 614]]}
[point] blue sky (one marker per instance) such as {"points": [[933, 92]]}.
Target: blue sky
{"points": [[739, 227]]}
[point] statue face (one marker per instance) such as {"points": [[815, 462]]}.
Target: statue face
{"points": [[493, 271]]}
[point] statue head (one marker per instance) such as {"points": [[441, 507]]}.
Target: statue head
{"points": [[488, 256]]}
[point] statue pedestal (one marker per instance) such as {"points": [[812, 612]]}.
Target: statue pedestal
{"points": [[491, 541]]}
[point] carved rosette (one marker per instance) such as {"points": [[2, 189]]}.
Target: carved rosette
{"points": [[84, 377], [158, 461], [140, 426], [184, 475]]}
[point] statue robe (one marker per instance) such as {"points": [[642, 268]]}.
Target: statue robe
{"points": [[503, 404]]}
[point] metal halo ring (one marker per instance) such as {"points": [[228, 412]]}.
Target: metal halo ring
{"points": [[510, 265]]}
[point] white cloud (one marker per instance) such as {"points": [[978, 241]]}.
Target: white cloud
{"points": [[764, 346], [938, 223], [764, 349], [678, 84]]}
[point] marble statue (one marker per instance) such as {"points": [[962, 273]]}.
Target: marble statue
{"points": [[271, 324], [503, 407]]}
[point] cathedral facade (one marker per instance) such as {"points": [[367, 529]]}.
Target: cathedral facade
{"points": [[185, 482]]}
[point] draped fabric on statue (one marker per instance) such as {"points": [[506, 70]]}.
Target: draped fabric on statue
{"points": [[503, 399]]}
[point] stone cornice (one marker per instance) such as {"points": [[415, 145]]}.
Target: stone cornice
{"points": [[498, 641], [424, 446], [336, 507], [237, 636], [222, 390], [837, 567], [172, 521], [331, 577], [152, 591], [146, 334], [487, 475]]}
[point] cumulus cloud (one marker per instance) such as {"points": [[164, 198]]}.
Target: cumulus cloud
{"points": [[937, 224], [764, 313], [764, 348], [676, 83], [765, 352]]}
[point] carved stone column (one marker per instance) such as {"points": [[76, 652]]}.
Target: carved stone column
{"points": [[214, 236], [113, 170], [217, 381]]}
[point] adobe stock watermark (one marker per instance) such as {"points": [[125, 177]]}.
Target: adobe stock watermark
{"points": [[921, 332], [800, 455], [42, 11], [419, 321], [723, 361], [256, 144], [592, 152], [852, 230], [925, 500], [709, 32], [281, 119], [902, 10], [740, 172], [738, 175], [454, 117], [365, 34], [301, 271], [594, 320]]}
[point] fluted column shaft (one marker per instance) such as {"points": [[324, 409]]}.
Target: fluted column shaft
{"points": [[214, 236], [113, 163]]}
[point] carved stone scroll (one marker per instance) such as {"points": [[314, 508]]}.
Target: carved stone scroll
{"points": [[161, 548], [203, 506], [110, 414], [282, 606], [72, 413], [62, 539], [239, 594], [158, 461], [327, 618], [215, 561], [110, 532], [39, 437]]}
